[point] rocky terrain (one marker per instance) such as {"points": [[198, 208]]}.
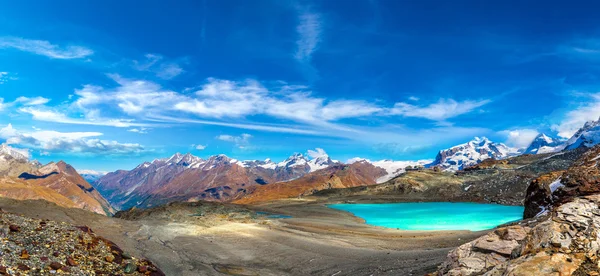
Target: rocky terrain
{"points": [[43, 247], [55, 182], [494, 181], [559, 238]]}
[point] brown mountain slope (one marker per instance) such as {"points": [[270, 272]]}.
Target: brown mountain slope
{"points": [[337, 176], [56, 182]]}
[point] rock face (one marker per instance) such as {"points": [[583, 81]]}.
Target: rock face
{"points": [[56, 182], [471, 153], [562, 239], [544, 144]]}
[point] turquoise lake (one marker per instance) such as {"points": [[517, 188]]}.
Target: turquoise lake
{"points": [[434, 215]]}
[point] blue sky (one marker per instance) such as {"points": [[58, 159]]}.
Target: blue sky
{"points": [[107, 85]]}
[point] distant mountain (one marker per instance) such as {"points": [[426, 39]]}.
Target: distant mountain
{"points": [[187, 177], [587, 136], [91, 176], [544, 144], [471, 153], [391, 167], [359, 173], [55, 182]]}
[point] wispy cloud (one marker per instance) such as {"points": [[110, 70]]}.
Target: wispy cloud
{"points": [[442, 110], [156, 64], [141, 130], [6, 76], [519, 138], [236, 104], [199, 147], [46, 115], [309, 35], [589, 110], [241, 141], [45, 48], [49, 141]]}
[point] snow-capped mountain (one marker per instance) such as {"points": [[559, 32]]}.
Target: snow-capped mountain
{"points": [[15, 153], [471, 153], [587, 136], [392, 168], [544, 144]]}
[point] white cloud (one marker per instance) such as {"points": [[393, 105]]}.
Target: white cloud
{"points": [[413, 98], [318, 152], [45, 115], [519, 138], [576, 118], [44, 48], [2, 104], [141, 130], [32, 101], [199, 147], [67, 142], [241, 141], [230, 99], [92, 172], [147, 104], [154, 63], [309, 35], [442, 110]]}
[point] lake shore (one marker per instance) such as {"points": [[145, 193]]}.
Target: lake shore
{"points": [[316, 241]]}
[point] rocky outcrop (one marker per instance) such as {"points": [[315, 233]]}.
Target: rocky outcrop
{"points": [[560, 239], [44, 247]]}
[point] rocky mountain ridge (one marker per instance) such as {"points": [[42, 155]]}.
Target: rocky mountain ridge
{"points": [[55, 182]]}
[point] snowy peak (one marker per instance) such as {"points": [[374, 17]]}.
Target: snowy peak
{"points": [[293, 161], [19, 154], [544, 144], [471, 153], [587, 136]]}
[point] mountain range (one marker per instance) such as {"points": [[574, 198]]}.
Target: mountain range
{"points": [[185, 177]]}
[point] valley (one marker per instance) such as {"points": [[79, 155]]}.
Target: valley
{"points": [[221, 216]]}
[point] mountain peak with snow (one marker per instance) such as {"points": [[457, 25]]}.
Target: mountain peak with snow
{"points": [[471, 153], [544, 144], [19, 154], [587, 136]]}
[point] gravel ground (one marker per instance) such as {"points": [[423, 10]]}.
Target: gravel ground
{"points": [[43, 247]]}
